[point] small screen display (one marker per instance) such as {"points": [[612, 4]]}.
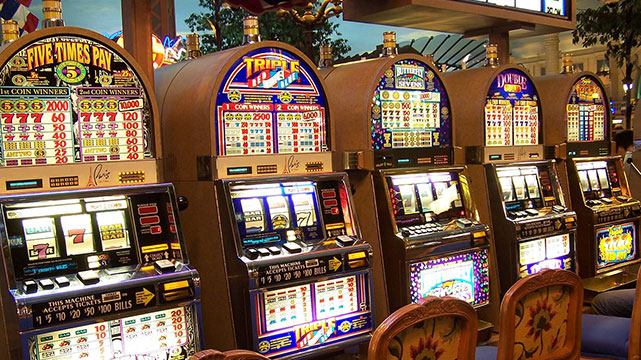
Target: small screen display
{"points": [[425, 197], [464, 276], [520, 187], [410, 108], [616, 244], [50, 237], [595, 179], [545, 253], [161, 335], [306, 316], [512, 111], [586, 112]]}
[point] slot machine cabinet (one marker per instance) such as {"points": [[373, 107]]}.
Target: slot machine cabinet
{"points": [[95, 263], [518, 192], [392, 120], [577, 124], [247, 142]]}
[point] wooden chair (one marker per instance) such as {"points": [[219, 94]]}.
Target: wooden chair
{"points": [[540, 318], [432, 329], [227, 355], [614, 337]]}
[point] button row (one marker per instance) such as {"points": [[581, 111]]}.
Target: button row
{"points": [[254, 253], [520, 214], [31, 286], [422, 229]]}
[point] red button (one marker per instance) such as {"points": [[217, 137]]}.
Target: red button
{"points": [[328, 194], [330, 203], [156, 229], [149, 220], [147, 210]]}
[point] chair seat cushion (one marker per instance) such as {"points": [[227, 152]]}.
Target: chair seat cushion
{"points": [[486, 353], [605, 336]]}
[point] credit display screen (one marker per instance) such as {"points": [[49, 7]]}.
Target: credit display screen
{"points": [[306, 316], [545, 253], [68, 99], [410, 108], [162, 335], [512, 111], [425, 197], [56, 237], [616, 244], [597, 178], [520, 187], [586, 112], [275, 213], [270, 102], [464, 276]]}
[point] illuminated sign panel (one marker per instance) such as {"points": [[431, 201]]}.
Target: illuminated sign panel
{"points": [[586, 112], [410, 108], [311, 315], [68, 99], [546, 7], [270, 102], [545, 253], [464, 276], [512, 111], [166, 334], [616, 244]]}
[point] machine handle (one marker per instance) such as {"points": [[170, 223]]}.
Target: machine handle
{"points": [[183, 203], [629, 161]]}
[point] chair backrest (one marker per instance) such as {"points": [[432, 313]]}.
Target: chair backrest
{"points": [[227, 355], [540, 317], [434, 328], [634, 344]]}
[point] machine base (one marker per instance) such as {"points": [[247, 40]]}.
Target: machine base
{"points": [[612, 280], [485, 331]]}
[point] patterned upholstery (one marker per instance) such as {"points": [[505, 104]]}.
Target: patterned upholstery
{"points": [[432, 329], [432, 339], [541, 322]]}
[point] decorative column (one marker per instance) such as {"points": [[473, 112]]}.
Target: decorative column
{"points": [[552, 54]]}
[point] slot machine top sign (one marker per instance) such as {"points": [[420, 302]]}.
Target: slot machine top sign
{"points": [[270, 101], [69, 95], [586, 111], [410, 108], [512, 111]]}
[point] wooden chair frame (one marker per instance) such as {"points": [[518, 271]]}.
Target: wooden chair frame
{"points": [[572, 348], [227, 355], [634, 344], [427, 308]]}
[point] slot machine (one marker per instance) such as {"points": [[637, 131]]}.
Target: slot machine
{"points": [[394, 130], [94, 260], [577, 124], [518, 192], [285, 271]]}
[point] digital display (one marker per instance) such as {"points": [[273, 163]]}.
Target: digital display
{"points": [[306, 316], [464, 276], [545, 253], [520, 187], [50, 237], [275, 213], [160, 335], [586, 112], [425, 197], [594, 177], [270, 102], [616, 244], [410, 108], [552, 7], [512, 111], [68, 99]]}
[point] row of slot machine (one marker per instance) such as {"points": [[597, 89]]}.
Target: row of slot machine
{"points": [[295, 259]]}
